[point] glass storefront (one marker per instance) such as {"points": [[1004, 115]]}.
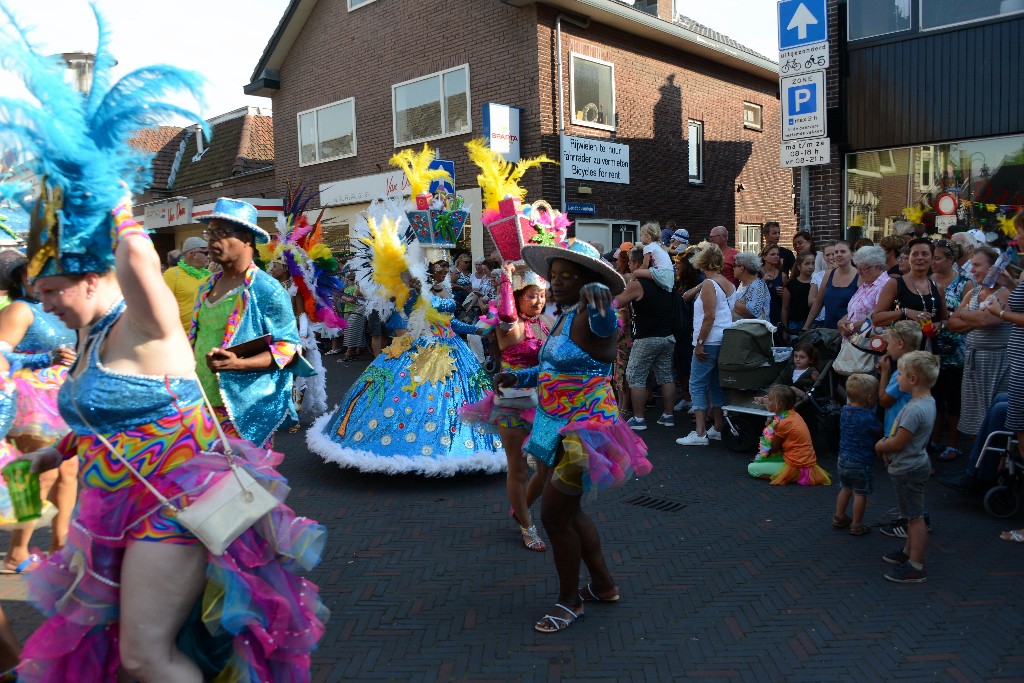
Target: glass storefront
{"points": [[984, 177]]}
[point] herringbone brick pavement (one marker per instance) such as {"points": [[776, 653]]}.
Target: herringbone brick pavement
{"points": [[427, 580]]}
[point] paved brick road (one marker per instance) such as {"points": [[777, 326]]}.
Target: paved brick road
{"points": [[427, 580]]}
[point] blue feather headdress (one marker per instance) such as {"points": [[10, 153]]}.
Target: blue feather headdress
{"points": [[78, 146]]}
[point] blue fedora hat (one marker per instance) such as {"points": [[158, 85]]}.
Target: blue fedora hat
{"points": [[241, 214]]}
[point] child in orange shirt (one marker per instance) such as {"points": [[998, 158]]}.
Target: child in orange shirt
{"points": [[786, 453]]}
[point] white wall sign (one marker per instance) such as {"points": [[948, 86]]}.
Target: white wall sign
{"points": [[803, 106], [166, 214], [364, 189], [501, 128], [944, 223], [595, 160], [812, 152]]}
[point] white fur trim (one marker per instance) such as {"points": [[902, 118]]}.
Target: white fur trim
{"points": [[367, 461]]}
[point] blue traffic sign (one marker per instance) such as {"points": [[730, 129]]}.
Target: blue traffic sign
{"points": [[448, 166], [803, 100], [802, 22]]}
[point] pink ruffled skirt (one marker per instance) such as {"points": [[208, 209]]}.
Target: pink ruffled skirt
{"points": [[266, 619], [595, 459], [36, 397]]}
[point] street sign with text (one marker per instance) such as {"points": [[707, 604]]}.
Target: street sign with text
{"points": [[802, 22], [812, 152], [803, 106]]}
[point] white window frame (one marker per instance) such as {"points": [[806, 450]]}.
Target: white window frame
{"points": [[920, 10], [748, 237], [929, 154], [360, 5], [690, 123], [444, 117], [760, 116], [573, 56], [314, 111], [886, 161]]}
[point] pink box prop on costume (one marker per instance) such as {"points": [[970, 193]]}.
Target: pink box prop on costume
{"points": [[423, 201], [512, 231]]}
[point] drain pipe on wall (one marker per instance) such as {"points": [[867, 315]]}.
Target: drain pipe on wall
{"points": [[582, 23]]}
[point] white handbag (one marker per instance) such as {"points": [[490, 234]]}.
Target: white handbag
{"points": [[225, 510]]}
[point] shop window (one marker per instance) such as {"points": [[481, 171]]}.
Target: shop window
{"points": [[353, 4], [431, 107], [695, 151], [870, 18], [941, 13], [752, 116], [593, 92], [327, 133], [748, 237], [984, 176]]}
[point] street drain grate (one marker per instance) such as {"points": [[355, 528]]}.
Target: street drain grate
{"points": [[659, 504]]}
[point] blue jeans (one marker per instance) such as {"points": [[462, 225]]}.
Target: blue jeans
{"points": [[705, 388]]}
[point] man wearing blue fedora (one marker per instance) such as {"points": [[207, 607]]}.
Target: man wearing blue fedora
{"points": [[243, 330]]}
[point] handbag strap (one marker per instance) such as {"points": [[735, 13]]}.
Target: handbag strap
{"points": [[228, 453]]}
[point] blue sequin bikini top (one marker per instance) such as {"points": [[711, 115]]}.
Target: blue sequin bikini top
{"points": [[116, 401], [46, 332], [443, 305], [561, 355]]}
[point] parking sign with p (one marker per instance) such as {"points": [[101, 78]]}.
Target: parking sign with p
{"points": [[803, 106]]}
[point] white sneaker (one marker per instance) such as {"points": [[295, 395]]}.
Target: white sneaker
{"points": [[692, 410], [692, 439], [683, 404], [714, 434]]}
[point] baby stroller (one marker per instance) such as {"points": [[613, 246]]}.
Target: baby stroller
{"points": [[1003, 499], [748, 364]]}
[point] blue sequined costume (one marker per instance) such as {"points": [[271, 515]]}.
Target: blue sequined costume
{"points": [[256, 621], [36, 378], [400, 415]]}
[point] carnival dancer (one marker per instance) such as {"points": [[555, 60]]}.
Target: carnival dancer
{"points": [[306, 268], [522, 329], [400, 414], [39, 348], [133, 584], [577, 436], [250, 390], [185, 277]]}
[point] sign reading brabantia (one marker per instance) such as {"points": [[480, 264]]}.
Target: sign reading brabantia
{"points": [[802, 22], [501, 128], [596, 160], [803, 106]]}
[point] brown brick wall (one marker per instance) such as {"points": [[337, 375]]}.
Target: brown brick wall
{"points": [[826, 181], [342, 54], [656, 93]]}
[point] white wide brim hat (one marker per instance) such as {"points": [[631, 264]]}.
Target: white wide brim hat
{"points": [[539, 259]]}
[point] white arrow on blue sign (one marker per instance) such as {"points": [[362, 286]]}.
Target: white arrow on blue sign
{"points": [[449, 166], [802, 22]]}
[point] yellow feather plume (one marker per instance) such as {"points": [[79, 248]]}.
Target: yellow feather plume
{"points": [[914, 214], [498, 178], [268, 252], [417, 169], [1007, 226], [388, 257]]}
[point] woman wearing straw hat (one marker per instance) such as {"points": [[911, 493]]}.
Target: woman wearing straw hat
{"points": [[577, 437]]}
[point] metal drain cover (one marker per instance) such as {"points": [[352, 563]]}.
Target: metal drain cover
{"points": [[653, 503]]}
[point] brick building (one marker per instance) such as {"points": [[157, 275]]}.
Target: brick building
{"points": [[924, 101], [190, 173], [697, 114]]}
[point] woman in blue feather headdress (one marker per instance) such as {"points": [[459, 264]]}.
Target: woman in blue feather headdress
{"points": [[134, 595]]}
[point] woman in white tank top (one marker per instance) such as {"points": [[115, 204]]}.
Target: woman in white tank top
{"points": [[711, 315]]}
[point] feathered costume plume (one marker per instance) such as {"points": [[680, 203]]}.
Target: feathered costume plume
{"points": [[310, 263], [417, 169], [79, 147], [498, 178], [386, 255]]}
